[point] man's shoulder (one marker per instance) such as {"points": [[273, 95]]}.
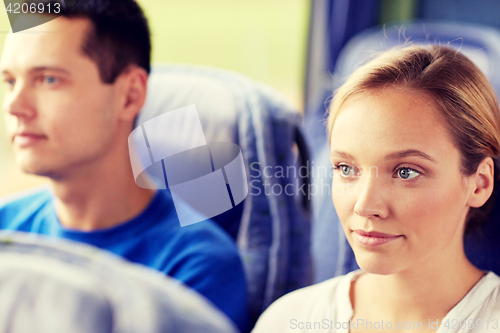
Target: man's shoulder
{"points": [[205, 232], [22, 205], [204, 238], [167, 238], [204, 257]]}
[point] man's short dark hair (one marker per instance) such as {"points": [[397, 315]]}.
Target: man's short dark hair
{"points": [[120, 35]]}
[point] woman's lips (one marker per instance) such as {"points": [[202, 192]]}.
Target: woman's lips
{"points": [[373, 238], [27, 140]]}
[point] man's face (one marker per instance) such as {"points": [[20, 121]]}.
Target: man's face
{"points": [[58, 113]]}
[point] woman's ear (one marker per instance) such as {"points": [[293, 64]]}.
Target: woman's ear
{"points": [[482, 183]]}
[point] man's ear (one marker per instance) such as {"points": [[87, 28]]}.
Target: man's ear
{"points": [[482, 183], [133, 87]]}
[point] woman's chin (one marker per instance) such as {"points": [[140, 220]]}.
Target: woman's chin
{"points": [[371, 264]]}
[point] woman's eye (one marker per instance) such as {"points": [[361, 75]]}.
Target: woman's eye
{"points": [[407, 173], [346, 171]]}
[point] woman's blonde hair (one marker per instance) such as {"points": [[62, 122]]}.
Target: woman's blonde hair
{"points": [[463, 95]]}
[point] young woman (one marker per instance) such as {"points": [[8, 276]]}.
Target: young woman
{"points": [[414, 137]]}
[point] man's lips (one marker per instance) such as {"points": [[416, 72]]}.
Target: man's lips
{"points": [[373, 238], [26, 139]]}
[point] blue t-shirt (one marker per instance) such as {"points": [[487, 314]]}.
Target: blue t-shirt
{"points": [[201, 255]]}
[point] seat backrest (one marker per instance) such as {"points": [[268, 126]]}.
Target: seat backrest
{"points": [[273, 220], [482, 45], [58, 286]]}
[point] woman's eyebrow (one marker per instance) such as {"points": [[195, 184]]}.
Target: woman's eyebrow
{"points": [[409, 152], [342, 154], [391, 156]]}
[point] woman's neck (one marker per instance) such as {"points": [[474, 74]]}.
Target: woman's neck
{"points": [[421, 292]]}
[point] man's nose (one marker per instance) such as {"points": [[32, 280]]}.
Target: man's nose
{"points": [[371, 201], [19, 101]]}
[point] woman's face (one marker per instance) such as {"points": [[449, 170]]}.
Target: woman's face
{"points": [[397, 185]]}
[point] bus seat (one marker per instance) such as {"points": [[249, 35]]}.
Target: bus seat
{"points": [[58, 286], [272, 229], [482, 45]]}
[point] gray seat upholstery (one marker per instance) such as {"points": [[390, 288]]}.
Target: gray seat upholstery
{"points": [[56, 286]]}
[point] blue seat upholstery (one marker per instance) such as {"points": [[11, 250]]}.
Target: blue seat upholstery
{"points": [[272, 229], [332, 254], [55, 286], [485, 12]]}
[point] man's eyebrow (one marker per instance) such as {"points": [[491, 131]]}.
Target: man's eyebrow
{"points": [[50, 68], [409, 152], [342, 154], [41, 69]]}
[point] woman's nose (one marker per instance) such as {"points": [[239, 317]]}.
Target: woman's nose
{"points": [[371, 201]]}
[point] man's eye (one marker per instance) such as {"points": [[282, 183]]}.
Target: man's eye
{"points": [[49, 80], [407, 173], [10, 82]]}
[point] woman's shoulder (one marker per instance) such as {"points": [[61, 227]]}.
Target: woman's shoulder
{"points": [[313, 303], [488, 294], [481, 304]]}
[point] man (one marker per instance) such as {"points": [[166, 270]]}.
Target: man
{"points": [[74, 87]]}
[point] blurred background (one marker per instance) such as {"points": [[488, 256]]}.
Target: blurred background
{"points": [[265, 40]]}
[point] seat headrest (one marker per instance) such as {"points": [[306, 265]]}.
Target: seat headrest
{"points": [[51, 286], [171, 87]]}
